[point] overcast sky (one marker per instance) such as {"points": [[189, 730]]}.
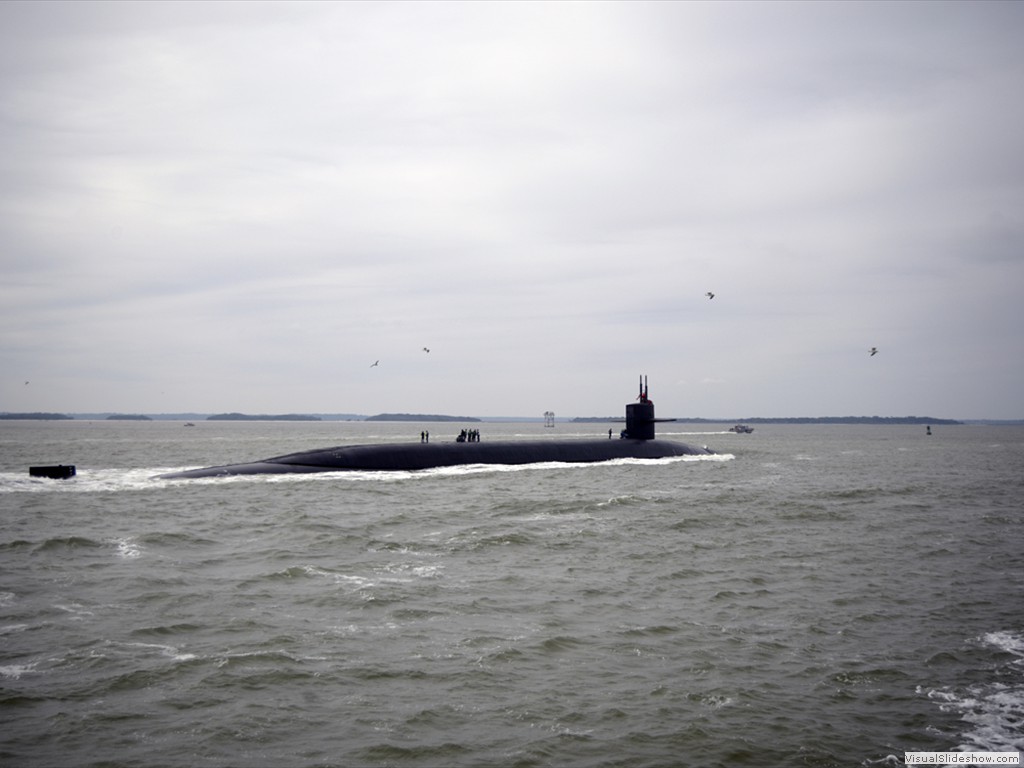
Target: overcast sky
{"points": [[240, 207]]}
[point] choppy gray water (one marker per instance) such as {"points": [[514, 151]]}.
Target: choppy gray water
{"points": [[818, 596]]}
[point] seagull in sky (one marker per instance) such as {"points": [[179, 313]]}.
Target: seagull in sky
{"points": [[710, 295], [874, 351], [375, 364]]}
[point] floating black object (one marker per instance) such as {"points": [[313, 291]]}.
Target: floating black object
{"points": [[58, 472], [637, 442]]}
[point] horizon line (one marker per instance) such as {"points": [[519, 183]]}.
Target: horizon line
{"points": [[345, 416]]}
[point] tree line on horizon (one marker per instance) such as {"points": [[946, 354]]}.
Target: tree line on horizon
{"points": [[52, 416]]}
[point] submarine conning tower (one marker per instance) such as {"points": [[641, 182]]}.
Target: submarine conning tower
{"points": [[640, 416]]}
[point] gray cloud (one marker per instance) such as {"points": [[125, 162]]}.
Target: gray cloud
{"points": [[240, 206]]}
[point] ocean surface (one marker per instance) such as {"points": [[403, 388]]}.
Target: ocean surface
{"points": [[811, 596]]}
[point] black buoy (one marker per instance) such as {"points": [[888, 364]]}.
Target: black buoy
{"points": [[58, 472]]}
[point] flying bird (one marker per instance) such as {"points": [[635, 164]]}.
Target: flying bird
{"points": [[874, 351], [710, 295], [426, 350], [375, 363]]}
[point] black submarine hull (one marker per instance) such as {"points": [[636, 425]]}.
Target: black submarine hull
{"points": [[416, 456]]}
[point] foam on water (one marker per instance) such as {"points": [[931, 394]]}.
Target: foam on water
{"points": [[993, 710], [15, 671], [115, 480], [160, 649], [128, 548], [1007, 641], [86, 481]]}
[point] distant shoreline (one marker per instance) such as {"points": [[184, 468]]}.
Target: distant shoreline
{"points": [[261, 417], [802, 420], [421, 417], [418, 417]]}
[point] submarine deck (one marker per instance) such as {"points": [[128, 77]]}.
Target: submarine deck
{"points": [[416, 456]]}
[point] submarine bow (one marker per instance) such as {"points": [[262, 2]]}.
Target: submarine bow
{"points": [[636, 442]]}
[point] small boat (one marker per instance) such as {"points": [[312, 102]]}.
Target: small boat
{"points": [[741, 429]]}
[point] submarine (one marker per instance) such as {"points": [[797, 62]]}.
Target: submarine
{"points": [[636, 441]]}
